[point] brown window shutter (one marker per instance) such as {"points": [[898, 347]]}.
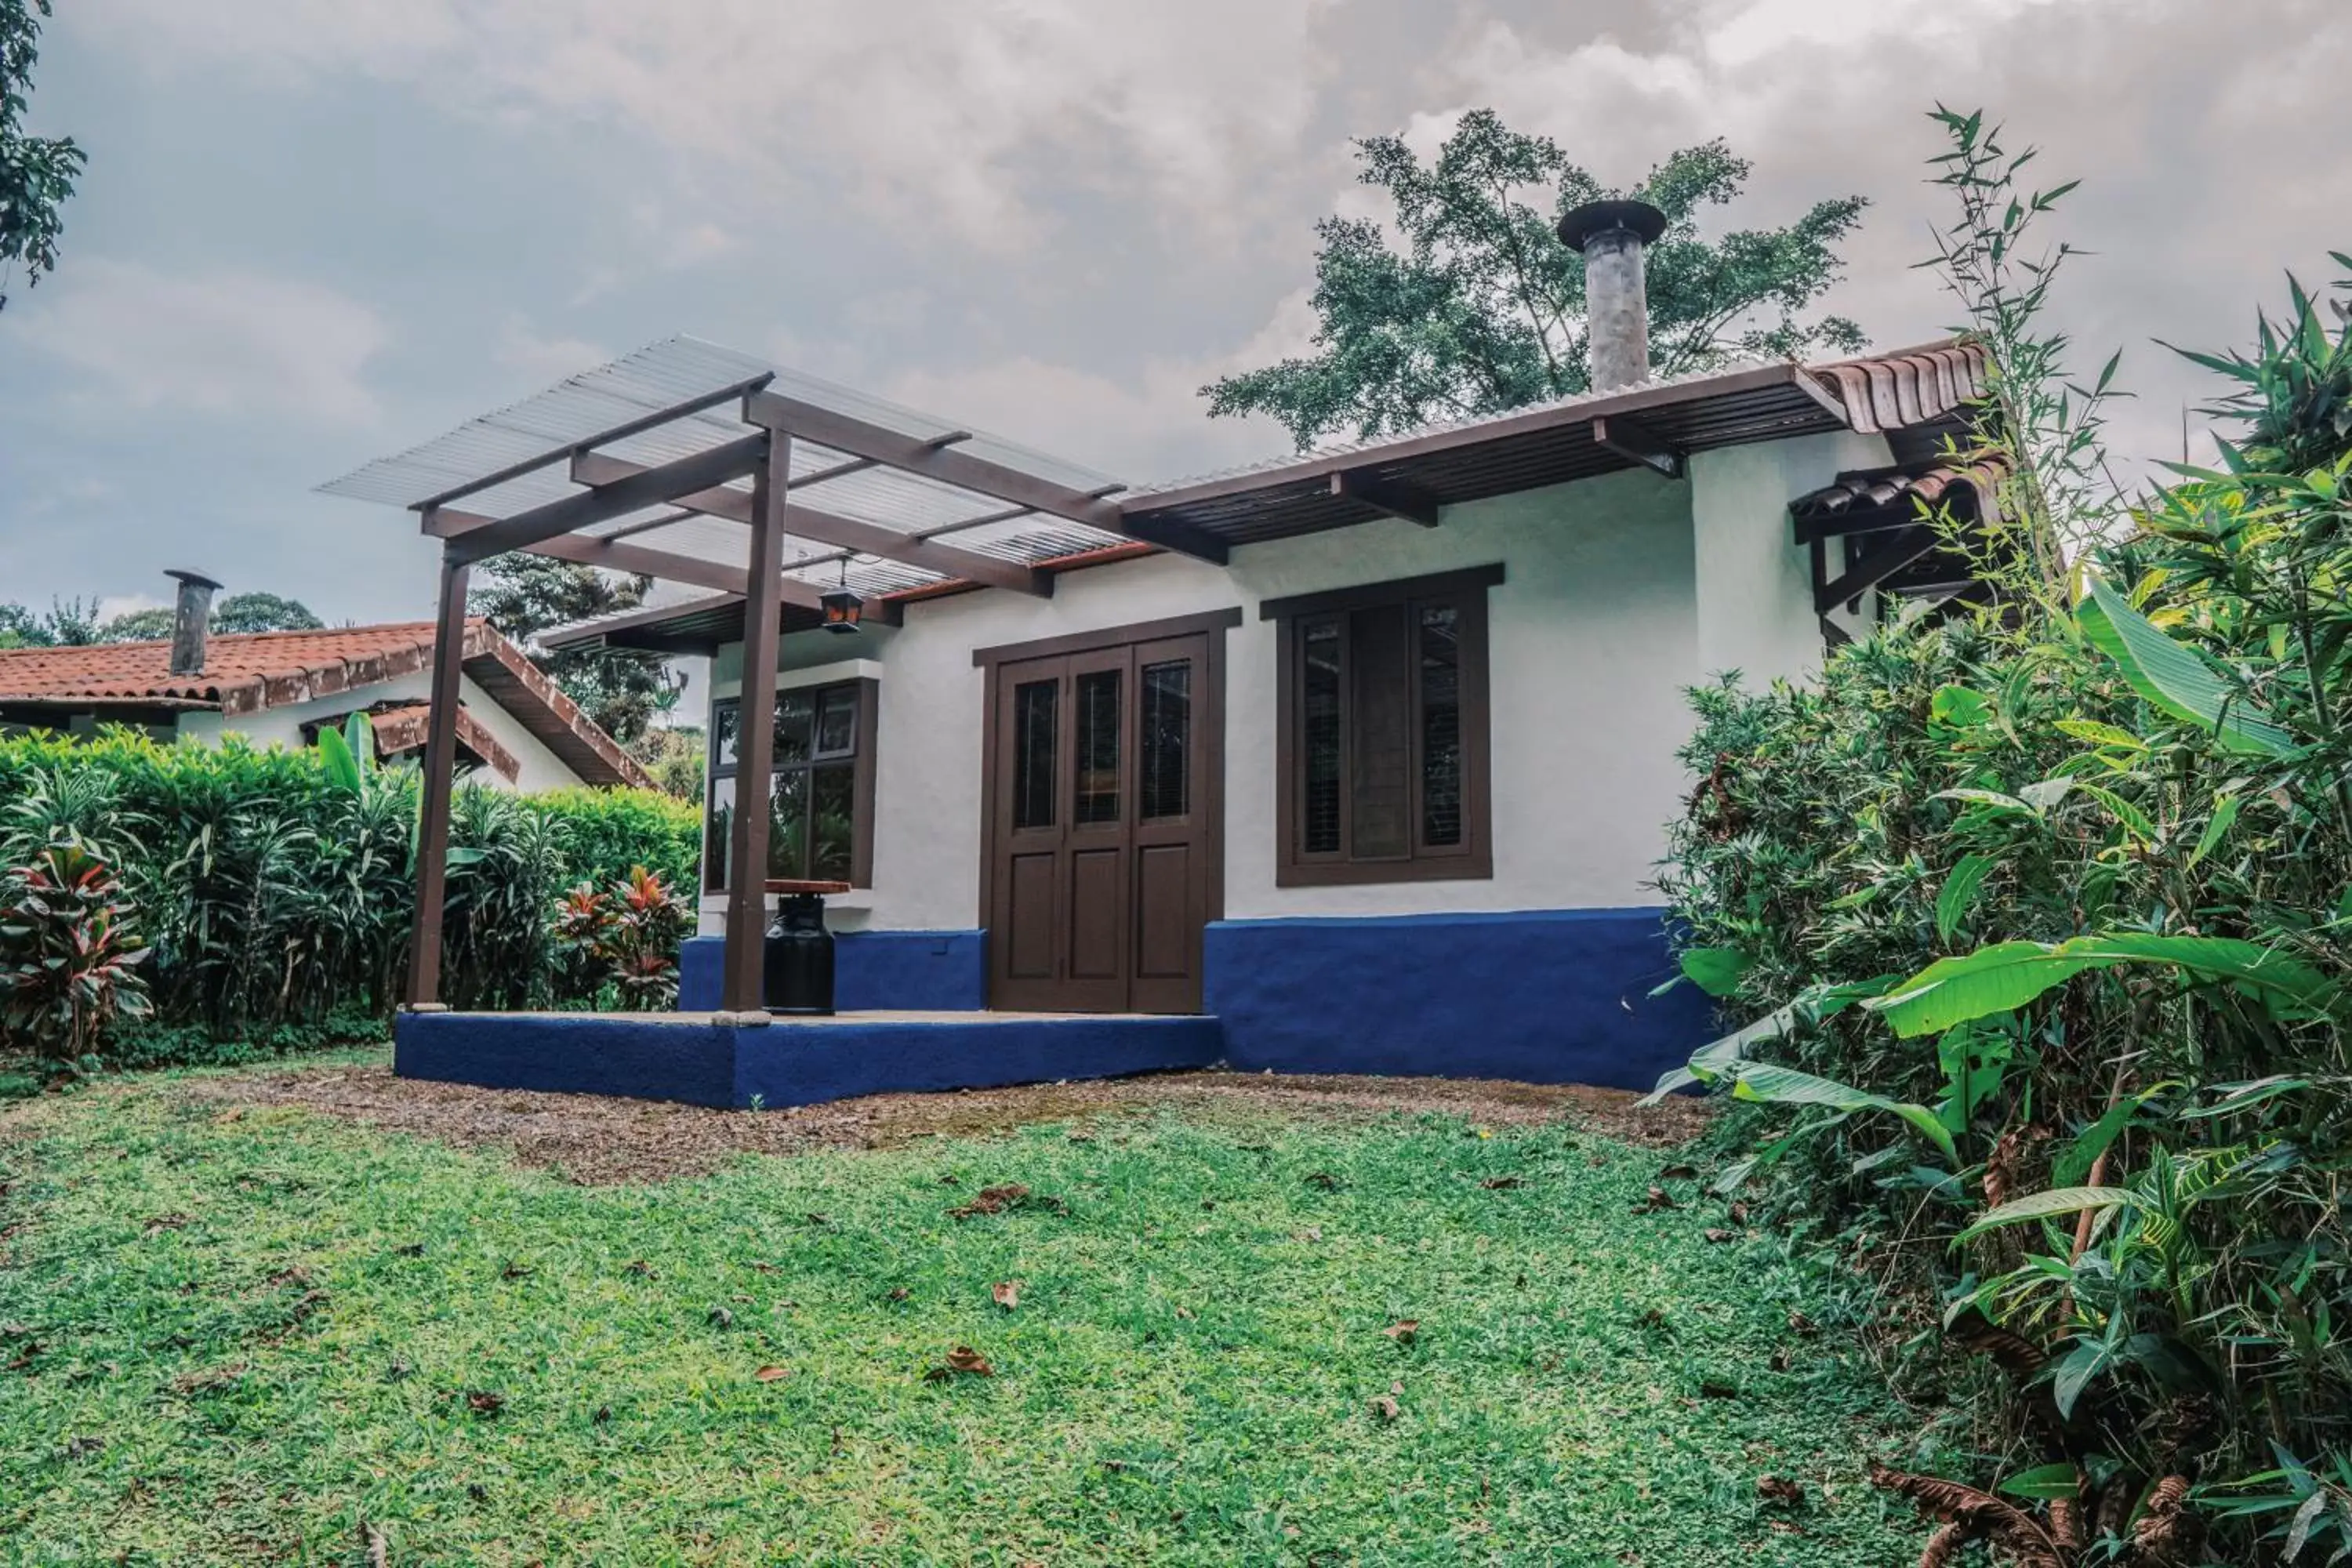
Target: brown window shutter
{"points": [[1380, 648]]}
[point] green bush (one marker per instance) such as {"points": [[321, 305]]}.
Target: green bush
{"points": [[275, 887], [2039, 923]]}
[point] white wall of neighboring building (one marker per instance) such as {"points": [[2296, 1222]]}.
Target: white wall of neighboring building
{"points": [[1593, 637], [1755, 583], [541, 768]]}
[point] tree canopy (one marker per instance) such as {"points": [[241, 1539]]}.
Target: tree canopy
{"points": [[622, 690], [36, 173], [254, 611], [1481, 308]]}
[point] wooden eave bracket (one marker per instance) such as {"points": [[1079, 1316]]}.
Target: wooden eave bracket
{"points": [[1393, 497], [1629, 438]]}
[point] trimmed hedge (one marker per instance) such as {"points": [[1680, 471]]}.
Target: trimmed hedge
{"points": [[275, 893]]}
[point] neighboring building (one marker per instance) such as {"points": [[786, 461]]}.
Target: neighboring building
{"points": [[514, 728], [1367, 752]]}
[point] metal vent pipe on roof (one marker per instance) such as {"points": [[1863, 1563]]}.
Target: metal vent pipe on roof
{"points": [[1611, 236], [192, 621]]}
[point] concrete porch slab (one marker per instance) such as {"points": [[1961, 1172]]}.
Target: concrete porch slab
{"points": [[725, 1060]]}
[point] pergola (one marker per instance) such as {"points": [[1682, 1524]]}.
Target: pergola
{"points": [[701, 466]]}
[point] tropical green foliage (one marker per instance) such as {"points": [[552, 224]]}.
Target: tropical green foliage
{"points": [[36, 173], [69, 958], [1482, 310], [276, 888], [2043, 915]]}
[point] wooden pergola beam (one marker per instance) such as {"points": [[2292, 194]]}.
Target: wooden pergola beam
{"points": [[846, 533], [650, 486], [938, 459], [1409, 502], [440, 770], [741, 974]]}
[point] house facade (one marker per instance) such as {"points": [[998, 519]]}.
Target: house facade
{"points": [[1382, 791]]}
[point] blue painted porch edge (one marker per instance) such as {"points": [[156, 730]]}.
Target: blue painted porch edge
{"points": [[716, 1062], [908, 971], [1541, 996]]}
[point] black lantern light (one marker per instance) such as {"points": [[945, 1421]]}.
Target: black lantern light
{"points": [[843, 609]]}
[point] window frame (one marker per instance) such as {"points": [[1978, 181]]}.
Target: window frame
{"points": [[861, 755], [1473, 859]]}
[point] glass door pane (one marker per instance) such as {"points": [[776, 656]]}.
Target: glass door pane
{"points": [[1166, 776], [1097, 790], [1036, 722]]}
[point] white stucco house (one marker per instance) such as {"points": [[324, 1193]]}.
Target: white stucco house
{"points": [[1364, 754], [515, 729]]}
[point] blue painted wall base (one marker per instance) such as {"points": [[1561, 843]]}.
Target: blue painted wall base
{"points": [[1548, 996], [706, 1061], [872, 971]]}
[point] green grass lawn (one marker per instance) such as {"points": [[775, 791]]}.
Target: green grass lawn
{"points": [[237, 1337]]}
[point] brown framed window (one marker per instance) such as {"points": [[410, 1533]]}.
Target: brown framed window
{"points": [[820, 791], [1382, 751]]}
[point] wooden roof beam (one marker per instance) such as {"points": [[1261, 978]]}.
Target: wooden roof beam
{"points": [[649, 486], [1629, 438], [1407, 502], [938, 459], [848, 532]]}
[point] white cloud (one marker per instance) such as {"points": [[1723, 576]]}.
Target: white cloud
{"points": [[544, 360], [1145, 427], [233, 343], [954, 113]]}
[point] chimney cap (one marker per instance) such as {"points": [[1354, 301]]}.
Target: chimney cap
{"points": [[1644, 222], [193, 579]]}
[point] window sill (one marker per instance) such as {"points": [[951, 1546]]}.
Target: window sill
{"points": [[1359, 874]]}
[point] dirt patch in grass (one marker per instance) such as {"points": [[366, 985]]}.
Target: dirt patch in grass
{"points": [[594, 1139]]}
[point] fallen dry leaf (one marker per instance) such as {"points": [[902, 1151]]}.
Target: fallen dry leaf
{"points": [[413, 1249], [1658, 1198], [379, 1549], [1385, 1409], [899, 1293], [481, 1402], [1678, 1173], [638, 1268], [991, 1200], [721, 1317], [517, 1272], [1719, 1388], [1404, 1329], [1778, 1489], [1716, 1233], [1323, 1179], [1739, 1213], [1312, 1233], [1501, 1184], [165, 1222], [772, 1373], [1007, 1293], [1802, 1324], [963, 1360], [1184, 1312]]}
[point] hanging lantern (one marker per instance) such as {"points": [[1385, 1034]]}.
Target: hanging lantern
{"points": [[843, 609]]}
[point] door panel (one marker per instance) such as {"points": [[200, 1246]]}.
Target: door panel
{"points": [[1102, 843]]}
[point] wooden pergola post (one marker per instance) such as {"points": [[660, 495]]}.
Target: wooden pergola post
{"points": [[755, 734], [440, 775]]}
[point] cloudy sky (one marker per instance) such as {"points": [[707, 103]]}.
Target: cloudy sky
{"points": [[313, 231]]}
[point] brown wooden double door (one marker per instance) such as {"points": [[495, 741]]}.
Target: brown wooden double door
{"points": [[1105, 820]]}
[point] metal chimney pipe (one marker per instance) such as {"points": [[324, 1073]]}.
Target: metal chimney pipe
{"points": [[192, 621], [1611, 236]]}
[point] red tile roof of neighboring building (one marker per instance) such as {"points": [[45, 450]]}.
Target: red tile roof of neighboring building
{"points": [[248, 673]]}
